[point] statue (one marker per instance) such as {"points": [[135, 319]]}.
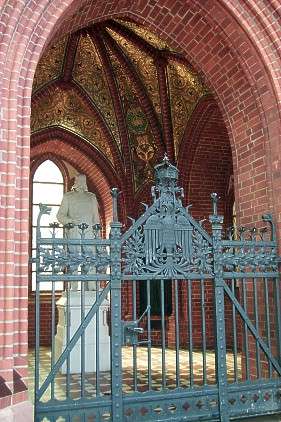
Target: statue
{"points": [[79, 206]]}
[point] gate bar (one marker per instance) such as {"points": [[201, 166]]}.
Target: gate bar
{"points": [[53, 330], [53, 311], [73, 341], [234, 328], [278, 315], [163, 336], [97, 346], [268, 335], [37, 331], [148, 287], [203, 327], [253, 330], [116, 326], [176, 304], [82, 348], [135, 369], [256, 312], [68, 339], [191, 380], [245, 328], [221, 367]]}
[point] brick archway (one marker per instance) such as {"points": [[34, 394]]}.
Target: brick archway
{"points": [[231, 43]]}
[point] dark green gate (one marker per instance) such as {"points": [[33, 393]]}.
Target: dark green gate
{"points": [[190, 360]]}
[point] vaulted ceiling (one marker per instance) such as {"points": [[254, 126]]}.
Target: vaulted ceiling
{"points": [[119, 88]]}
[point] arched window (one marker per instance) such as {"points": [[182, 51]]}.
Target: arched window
{"points": [[47, 188]]}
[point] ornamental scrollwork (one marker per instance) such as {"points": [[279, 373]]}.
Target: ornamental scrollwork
{"points": [[202, 254], [250, 258], [134, 253], [59, 259]]}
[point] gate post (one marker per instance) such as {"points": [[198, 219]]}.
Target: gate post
{"points": [[221, 367], [116, 327]]}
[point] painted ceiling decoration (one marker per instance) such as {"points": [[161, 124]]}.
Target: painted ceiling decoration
{"points": [[65, 109], [146, 68], [185, 92], [50, 65], [120, 88], [142, 144], [88, 72]]}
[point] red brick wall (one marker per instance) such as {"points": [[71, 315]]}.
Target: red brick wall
{"points": [[208, 165], [45, 321], [234, 44]]}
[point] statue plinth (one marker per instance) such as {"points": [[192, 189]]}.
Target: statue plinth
{"points": [[74, 310]]}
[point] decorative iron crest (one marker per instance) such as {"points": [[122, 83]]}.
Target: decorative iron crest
{"points": [[249, 258], [59, 259], [251, 249], [166, 240]]}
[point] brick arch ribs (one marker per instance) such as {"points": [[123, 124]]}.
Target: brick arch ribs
{"points": [[205, 159], [228, 56], [232, 43], [200, 115]]}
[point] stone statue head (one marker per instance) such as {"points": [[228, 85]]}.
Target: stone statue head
{"points": [[80, 183]]}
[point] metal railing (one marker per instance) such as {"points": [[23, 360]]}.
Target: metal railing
{"points": [[200, 342]]}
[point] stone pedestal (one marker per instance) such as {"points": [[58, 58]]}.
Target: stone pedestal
{"points": [[91, 346]]}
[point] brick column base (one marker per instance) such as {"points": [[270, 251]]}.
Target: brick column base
{"points": [[22, 412]]}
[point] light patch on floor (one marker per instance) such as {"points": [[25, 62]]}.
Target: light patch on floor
{"points": [[140, 373]]}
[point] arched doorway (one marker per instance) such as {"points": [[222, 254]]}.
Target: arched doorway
{"points": [[242, 114]]}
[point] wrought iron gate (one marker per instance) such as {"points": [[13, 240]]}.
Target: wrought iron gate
{"points": [[215, 355]]}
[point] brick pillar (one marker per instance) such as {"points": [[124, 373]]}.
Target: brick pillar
{"points": [[18, 60], [13, 287]]}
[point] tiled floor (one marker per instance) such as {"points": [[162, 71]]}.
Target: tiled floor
{"points": [[137, 380], [142, 378]]}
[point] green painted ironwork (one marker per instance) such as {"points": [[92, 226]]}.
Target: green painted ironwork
{"points": [[165, 245]]}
